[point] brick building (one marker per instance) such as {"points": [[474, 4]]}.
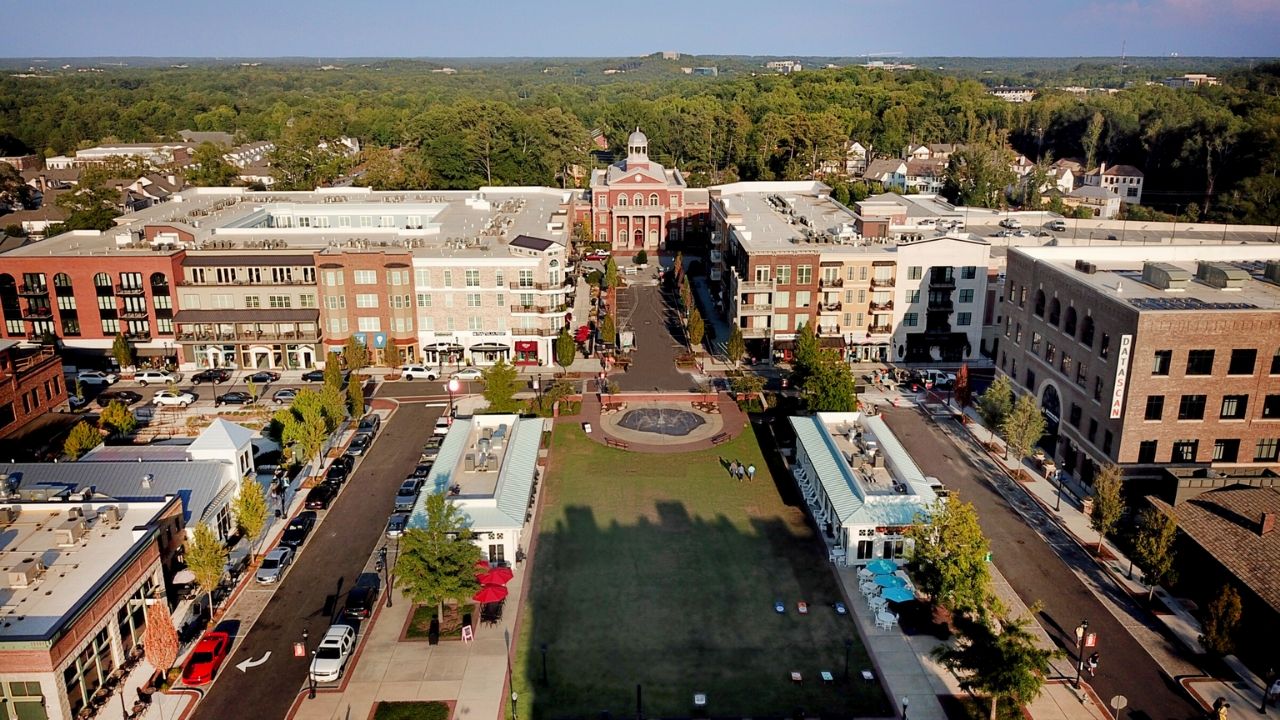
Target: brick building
{"points": [[30, 384], [639, 204], [1148, 356], [368, 295]]}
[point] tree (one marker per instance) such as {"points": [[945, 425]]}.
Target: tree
{"points": [[249, 508], [949, 559], [437, 562], [122, 351], [355, 396], [1108, 504], [566, 349], [82, 438], [160, 637], [978, 175], [686, 295], [610, 274], [962, 391], [696, 330], [210, 168], [1221, 619], [206, 559], [807, 354], [398, 169], [332, 371], [1022, 427], [117, 418], [641, 258], [1005, 665], [830, 386], [747, 385], [251, 387], [736, 347], [308, 421], [1092, 134], [355, 355], [608, 331], [1153, 547], [89, 208], [500, 385]]}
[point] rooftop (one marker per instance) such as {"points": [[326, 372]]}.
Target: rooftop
{"points": [[491, 460], [772, 216], [78, 559]]}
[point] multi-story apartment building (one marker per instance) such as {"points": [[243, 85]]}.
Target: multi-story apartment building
{"points": [[30, 384], [1148, 356], [784, 254]]}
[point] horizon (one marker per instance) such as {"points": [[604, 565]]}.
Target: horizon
{"points": [[403, 29]]}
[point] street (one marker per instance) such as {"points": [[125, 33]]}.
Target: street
{"points": [[653, 364], [314, 588], [1039, 564]]}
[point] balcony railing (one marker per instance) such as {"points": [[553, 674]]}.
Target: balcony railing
{"points": [[538, 309], [33, 290], [831, 282], [37, 313], [755, 309], [882, 306], [249, 336], [536, 286], [755, 332], [138, 334], [941, 305], [214, 283], [755, 286], [881, 282], [536, 332], [880, 330], [130, 290], [948, 281], [829, 307]]}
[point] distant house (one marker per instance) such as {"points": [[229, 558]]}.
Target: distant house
{"points": [[1123, 181], [1021, 165], [1190, 80], [926, 176], [853, 165], [1014, 94], [1101, 203], [890, 173]]}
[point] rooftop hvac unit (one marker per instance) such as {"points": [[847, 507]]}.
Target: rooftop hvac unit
{"points": [[71, 531], [111, 513], [25, 573], [1272, 271], [8, 515]]}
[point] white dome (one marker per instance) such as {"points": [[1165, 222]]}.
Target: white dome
{"points": [[637, 138]]}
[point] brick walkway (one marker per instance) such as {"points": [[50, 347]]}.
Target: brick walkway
{"points": [[734, 419]]}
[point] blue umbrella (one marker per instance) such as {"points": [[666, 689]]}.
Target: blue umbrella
{"points": [[890, 581], [882, 567], [898, 594]]}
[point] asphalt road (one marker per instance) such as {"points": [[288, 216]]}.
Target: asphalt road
{"points": [[314, 588], [653, 363], [1038, 562]]}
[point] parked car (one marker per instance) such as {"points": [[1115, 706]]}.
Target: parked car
{"points": [[320, 497], [416, 372], [330, 657], [369, 424], [1057, 225], [1011, 223], [212, 375], [347, 462], [96, 377], [235, 397], [336, 474], [263, 377], [431, 449], [313, 376], [396, 524], [75, 402], [157, 377], [360, 443], [422, 470], [128, 397], [442, 425], [363, 597], [597, 256], [173, 398], [407, 495], [298, 530], [284, 396], [206, 658], [467, 374], [274, 565]]}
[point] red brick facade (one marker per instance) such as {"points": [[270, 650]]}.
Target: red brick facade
{"points": [[369, 295], [30, 384]]}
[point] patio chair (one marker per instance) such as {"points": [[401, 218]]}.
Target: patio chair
{"points": [[865, 574]]}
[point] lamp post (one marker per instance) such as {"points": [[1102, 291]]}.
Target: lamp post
{"points": [[848, 648], [514, 696], [452, 386], [1057, 500], [311, 679], [386, 571], [543, 647], [905, 702], [1267, 679], [1081, 630]]}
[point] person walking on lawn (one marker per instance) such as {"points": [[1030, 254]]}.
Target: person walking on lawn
{"points": [[751, 472]]}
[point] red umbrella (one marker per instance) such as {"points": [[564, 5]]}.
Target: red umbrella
{"points": [[490, 593], [482, 564], [496, 576]]}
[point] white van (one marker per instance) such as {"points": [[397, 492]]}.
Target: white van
{"points": [[1057, 225]]}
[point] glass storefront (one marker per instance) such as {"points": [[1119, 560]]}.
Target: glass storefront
{"points": [[88, 671]]}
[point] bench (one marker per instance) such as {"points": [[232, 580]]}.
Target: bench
{"points": [[721, 438], [615, 443]]}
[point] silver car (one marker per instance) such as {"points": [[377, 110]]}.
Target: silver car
{"points": [[274, 565]]}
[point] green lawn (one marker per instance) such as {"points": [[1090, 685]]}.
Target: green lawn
{"points": [[661, 571]]}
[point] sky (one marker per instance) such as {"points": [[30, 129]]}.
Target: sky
{"points": [[511, 28]]}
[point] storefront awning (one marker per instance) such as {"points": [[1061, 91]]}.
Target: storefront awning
{"points": [[526, 346], [444, 347], [490, 347]]}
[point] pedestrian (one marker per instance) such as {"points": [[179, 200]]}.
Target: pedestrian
{"points": [[733, 469], [1273, 692], [1093, 664], [751, 472]]}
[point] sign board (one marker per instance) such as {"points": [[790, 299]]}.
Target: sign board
{"points": [[1122, 376], [468, 634], [1091, 640], [299, 650]]}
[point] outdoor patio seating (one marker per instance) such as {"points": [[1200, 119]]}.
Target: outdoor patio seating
{"points": [[877, 603], [827, 677], [865, 574], [886, 620], [797, 678]]}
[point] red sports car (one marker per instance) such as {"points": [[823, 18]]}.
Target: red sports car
{"points": [[206, 658]]}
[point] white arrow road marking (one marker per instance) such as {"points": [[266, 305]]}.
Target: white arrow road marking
{"points": [[244, 665]]}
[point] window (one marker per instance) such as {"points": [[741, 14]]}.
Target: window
{"points": [[1267, 449], [1036, 339], [804, 274], [475, 322], [915, 272], [1200, 362], [1184, 451], [1086, 331], [252, 301], [1075, 415], [1226, 450], [333, 278], [1243, 361], [1097, 388], [1050, 353], [1271, 407], [784, 274], [448, 278], [369, 324], [966, 296], [968, 272], [1147, 451], [472, 278], [306, 300], [473, 300], [1275, 363], [1017, 335], [913, 296], [1104, 346], [399, 302], [279, 301], [1161, 361], [424, 300], [1081, 373], [1031, 378], [398, 277], [1106, 442], [1234, 407], [964, 318], [1038, 308], [910, 319], [500, 280], [1191, 407], [653, 199], [367, 300], [1069, 324], [422, 277], [1155, 407], [335, 302], [1093, 429]]}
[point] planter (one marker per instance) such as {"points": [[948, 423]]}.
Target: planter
{"points": [[1086, 506]]}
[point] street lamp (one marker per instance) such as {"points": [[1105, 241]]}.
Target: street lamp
{"points": [[1267, 679], [1057, 501], [452, 386], [386, 571], [905, 702], [1081, 629], [514, 696], [311, 679], [848, 648]]}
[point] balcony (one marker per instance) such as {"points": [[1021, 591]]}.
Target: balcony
{"points": [[266, 334], [755, 332], [539, 309], [831, 283], [877, 282], [829, 308], [250, 283], [944, 281], [130, 290], [138, 335], [755, 286], [133, 314], [941, 305], [885, 306], [37, 313], [536, 332], [716, 257], [755, 309], [535, 286], [880, 330], [26, 290]]}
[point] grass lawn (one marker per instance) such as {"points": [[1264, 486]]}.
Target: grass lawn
{"points": [[411, 711], [661, 571], [450, 627]]}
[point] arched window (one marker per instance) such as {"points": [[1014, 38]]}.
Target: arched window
{"points": [[159, 280], [1038, 309], [1086, 330], [102, 280], [622, 201], [554, 263], [653, 199], [1055, 312], [62, 281], [1069, 327], [639, 200]]}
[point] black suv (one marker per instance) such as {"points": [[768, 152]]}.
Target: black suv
{"points": [[363, 597], [299, 528], [213, 375], [337, 474], [369, 424], [320, 496]]}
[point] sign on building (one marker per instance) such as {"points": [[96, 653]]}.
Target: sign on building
{"points": [[1122, 376]]}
